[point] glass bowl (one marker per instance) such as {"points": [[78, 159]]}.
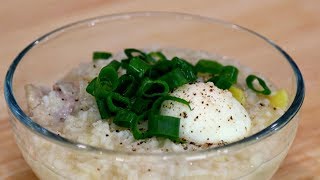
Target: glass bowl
{"points": [[51, 56]]}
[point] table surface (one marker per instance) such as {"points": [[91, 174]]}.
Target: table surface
{"points": [[293, 24]]}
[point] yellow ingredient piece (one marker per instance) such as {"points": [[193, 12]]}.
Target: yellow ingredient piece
{"points": [[279, 99], [238, 94]]}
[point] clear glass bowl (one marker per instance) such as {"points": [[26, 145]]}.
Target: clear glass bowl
{"points": [[51, 56]]}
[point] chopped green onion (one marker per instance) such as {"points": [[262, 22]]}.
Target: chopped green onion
{"points": [[187, 68], [174, 78], [151, 88], [137, 134], [141, 105], [125, 63], [157, 104], [102, 107], [164, 126], [265, 89], [131, 53], [134, 53], [116, 102], [108, 77], [90, 87], [143, 115], [127, 85], [231, 72], [101, 90], [114, 64], [137, 67], [208, 66], [157, 56], [124, 118], [101, 55], [181, 63], [227, 77], [160, 68]]}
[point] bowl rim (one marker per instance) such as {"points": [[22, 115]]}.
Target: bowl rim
{"points": [[43, 132]]}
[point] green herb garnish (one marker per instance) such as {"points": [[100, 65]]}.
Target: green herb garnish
{"points": [[138, 94], [133, 96], [98, 55], [226, 78], [208, 66], [265, 89]]}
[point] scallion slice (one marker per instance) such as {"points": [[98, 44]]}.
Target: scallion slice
{"points": [[137, 134], [164, 126], [98, 55], [108, 77], [114, 64], [124, 118], [208, 66], [103, 110], [150, 88], [160, 68], [187, 68], [157, 104], [125, 63], [141, 105], [156, 56], [130, 52], [117, 102], [227, 77], [265, 89], [137, 67], [90, 87], [175, 78], [127, 85], [101, 90]]}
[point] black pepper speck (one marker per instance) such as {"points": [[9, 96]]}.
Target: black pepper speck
{"points": [[184, 115], [192, 143]]}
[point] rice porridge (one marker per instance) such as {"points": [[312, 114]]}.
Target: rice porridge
{"points": [[68, 110]]}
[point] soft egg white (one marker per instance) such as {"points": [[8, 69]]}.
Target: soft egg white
{"points": [[216, 117]]}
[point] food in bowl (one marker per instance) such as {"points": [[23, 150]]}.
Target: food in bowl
{"points": [[207, 116], [58, 153]]}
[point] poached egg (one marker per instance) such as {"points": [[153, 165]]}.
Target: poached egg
{"points": [[216, 117]]}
